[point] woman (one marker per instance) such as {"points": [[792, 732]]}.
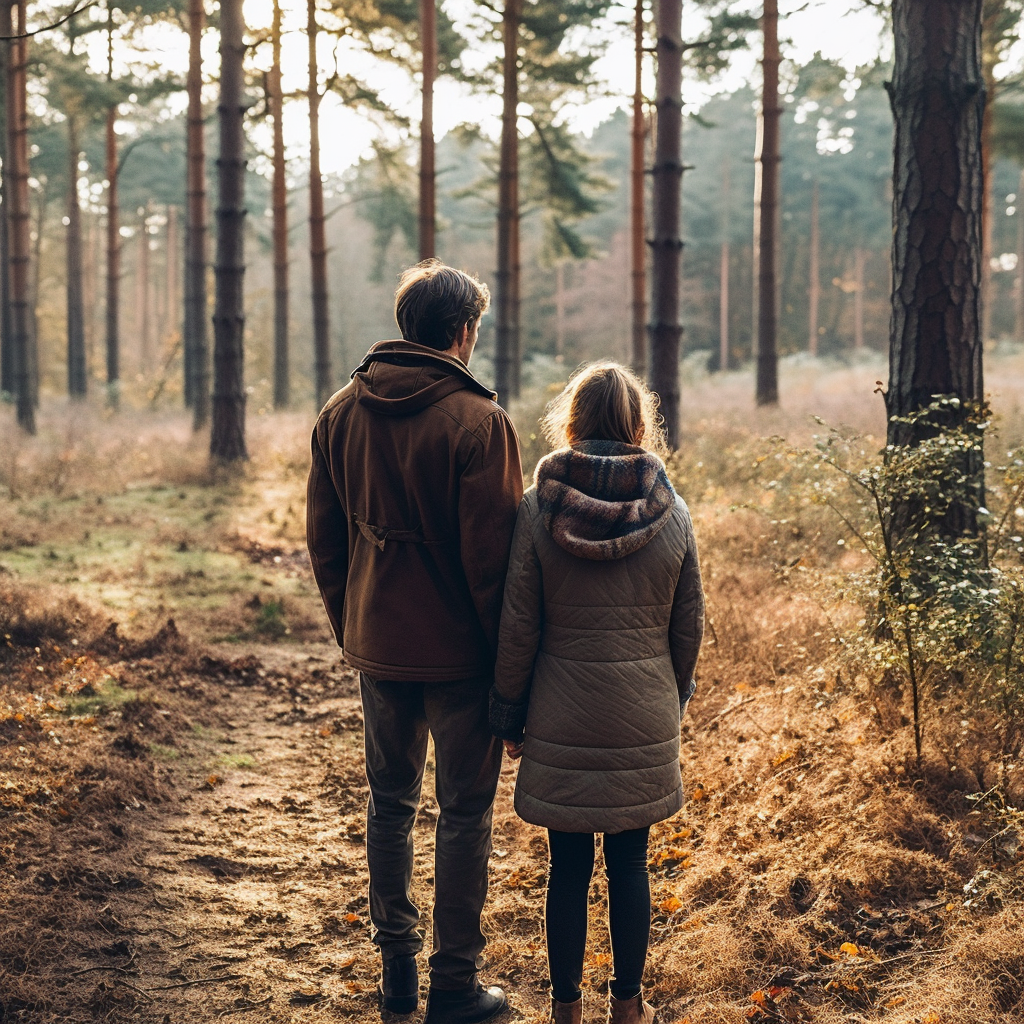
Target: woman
{"points": [[600, 629]]}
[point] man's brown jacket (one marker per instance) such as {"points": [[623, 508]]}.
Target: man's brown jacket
{"points": [[411, 506]]}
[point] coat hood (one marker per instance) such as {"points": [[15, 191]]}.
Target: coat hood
{"points": [[603, 499], [401, 378]]}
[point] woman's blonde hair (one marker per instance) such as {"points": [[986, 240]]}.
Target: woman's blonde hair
{"points": [[605, 402]]}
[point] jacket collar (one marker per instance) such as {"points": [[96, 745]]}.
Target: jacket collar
{"points": [[408, 353]]}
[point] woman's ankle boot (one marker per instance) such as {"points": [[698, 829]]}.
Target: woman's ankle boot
{"points": [[630, 1011], [567, 1013]]}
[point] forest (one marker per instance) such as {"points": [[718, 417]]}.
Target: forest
{"points": [[801, 223]]}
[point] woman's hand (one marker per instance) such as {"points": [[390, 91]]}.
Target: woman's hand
{"points": [[513, 749]]}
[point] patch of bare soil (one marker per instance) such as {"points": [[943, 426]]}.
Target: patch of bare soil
{"points": [[181, 835]]}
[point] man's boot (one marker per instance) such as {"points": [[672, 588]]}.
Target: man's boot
{"points": [[471, 1005], [567, 1013], [630, 1011], [399, 984]]}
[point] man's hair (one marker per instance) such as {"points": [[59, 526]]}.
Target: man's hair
{"points": [[434, 300]]}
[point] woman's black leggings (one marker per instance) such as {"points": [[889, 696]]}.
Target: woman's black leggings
{"points": [[629, 909]]}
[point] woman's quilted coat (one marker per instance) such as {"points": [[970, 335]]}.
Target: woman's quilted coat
{"points": [[600, 630]]}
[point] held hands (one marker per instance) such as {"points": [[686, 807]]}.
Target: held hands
{"points": [[513, 749]]}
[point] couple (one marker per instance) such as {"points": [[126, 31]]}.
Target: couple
{"points": [[580, 602]]}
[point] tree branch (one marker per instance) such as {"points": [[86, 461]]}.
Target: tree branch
{"points": [[50, 27]]}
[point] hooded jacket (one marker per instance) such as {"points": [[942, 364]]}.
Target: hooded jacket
{"points": [[601, 627], [411, 505]]}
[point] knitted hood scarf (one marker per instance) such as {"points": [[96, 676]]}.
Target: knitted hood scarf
{"points": [[603, 499]]}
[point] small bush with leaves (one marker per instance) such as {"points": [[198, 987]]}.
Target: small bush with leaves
{"points": [[944, 598]]}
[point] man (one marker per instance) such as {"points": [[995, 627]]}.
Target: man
{"points": [[411, 505]]}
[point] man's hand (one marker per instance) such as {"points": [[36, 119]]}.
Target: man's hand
{"points": [[513, 749]]}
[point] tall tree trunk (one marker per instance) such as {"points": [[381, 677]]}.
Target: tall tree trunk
{"points": [[428, 176], [142, 317], [282, 382], [171, 277], [637, 226], [227, 438], [195, 338], [938, 97], [723, 273], [506, 344], [991, 15], [767, 185], [666, 330], [317, 231], [1019, 306], [77, 379], [17, 196], [859, 259], [113, 237], [6, 328], [814, 275], [559, 308], [91, 260]]}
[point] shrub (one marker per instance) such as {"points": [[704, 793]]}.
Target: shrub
{"points": [[944, 599]]}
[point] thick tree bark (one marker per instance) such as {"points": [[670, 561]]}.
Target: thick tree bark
{"points": [[637, 225], [991, 15], [6, 328], [506, 345], [194, 330], [938, 98], [20, 231], [227, 438], [814, 275], [113, 303], [282, 382], [767, 186], [428, 175], [667, 245], [317, 230], [77, 379]]}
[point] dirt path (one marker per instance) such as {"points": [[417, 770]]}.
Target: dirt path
{"points": [[249, 895]]}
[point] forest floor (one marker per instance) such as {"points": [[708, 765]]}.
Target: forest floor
{"points": [[181, 803]]}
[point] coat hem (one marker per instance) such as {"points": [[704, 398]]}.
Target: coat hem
{"points": [[417, 674], [565, 818]]}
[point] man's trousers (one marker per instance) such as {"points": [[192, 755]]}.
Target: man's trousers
{"points": [[397, 717]]}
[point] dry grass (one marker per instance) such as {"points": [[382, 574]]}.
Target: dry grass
{"points": [[814, 875]]}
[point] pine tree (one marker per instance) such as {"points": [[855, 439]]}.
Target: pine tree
{"points": [[282, 383], [665, 329], [227, 437], [19, 214], [194, 330], [767, 204]]}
